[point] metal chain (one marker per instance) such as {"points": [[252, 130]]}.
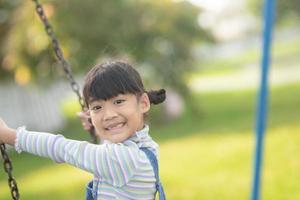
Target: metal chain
{"points": [[74, 85], [60, 56], [8, 169]]}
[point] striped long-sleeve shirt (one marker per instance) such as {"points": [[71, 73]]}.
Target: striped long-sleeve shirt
{"points": [[121, 171]]}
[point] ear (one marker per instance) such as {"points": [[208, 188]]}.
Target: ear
{"points": [[144, 103]]}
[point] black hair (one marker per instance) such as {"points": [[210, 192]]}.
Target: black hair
{"points": [[109, 79]]}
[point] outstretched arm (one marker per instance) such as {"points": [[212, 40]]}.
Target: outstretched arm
{"points": [[113, 163], [7, 135]]}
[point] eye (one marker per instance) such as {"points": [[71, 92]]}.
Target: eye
{"points": [[119, 101], [96, 108]]}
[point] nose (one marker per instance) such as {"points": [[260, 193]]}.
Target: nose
{"points": [[109, 113]]}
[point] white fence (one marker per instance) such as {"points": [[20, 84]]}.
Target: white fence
{"points": [[38, 108]]}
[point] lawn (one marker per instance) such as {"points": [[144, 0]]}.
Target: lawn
{"points": [[208, 157]]}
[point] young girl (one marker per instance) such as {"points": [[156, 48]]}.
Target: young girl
{"points": [[124, 165]]}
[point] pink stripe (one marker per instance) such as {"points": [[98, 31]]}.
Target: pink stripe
{"points": [[143, 177], [127, 195], [33, 145], [123, 172], [133, 160], [96, 157], [107, 194], [104, 165], [85, 161], [26, 142], [37, 146], [48, 145], [140, 186], [45, 142], [108, 163]]}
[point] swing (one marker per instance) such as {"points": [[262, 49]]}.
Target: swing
{"points": [[268, 19], [74, 85]]}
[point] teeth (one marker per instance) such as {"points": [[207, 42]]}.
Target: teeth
{"points": [[116, 126], [120, 125]]}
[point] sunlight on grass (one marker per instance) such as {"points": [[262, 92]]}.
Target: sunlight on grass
{"points": [[212, 166], [55, 179], [209, 157], [200, 166], [282, 164], [206, 164]]}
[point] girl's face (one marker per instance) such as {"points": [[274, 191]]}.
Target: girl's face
{"points": [[118, 118]]}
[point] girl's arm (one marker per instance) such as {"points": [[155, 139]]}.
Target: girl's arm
{"points": [[114, 163], [7, 135]]}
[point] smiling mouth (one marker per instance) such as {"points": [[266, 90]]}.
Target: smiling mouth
{"points": [[115, 127]]}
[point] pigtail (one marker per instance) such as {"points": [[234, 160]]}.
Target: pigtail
{"points": [[157, 96]]}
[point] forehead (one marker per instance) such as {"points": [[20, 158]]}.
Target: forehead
{"points": [[127, 96]]}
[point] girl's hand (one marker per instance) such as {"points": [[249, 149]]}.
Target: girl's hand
{"points": [[3, 126], [7, 135], [84, 117]]}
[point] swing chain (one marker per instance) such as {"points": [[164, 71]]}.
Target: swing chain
{"points": [[74, 85], [8, 169], [59, 54]]}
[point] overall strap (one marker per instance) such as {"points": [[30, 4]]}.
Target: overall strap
{"points": [[152, 158]]}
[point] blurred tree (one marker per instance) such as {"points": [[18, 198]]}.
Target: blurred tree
{"points": [[24, 46], [6, 9], [157, 35], [288, 10]]}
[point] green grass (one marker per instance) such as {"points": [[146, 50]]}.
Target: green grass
{"points": [[219, 166], [204, 157]]}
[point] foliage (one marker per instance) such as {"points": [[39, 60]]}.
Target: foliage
{"points": [[25, 47], [157, 35], [288, 10], [6, 9]]}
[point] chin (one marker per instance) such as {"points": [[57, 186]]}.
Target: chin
{"points": [[119, 139]]}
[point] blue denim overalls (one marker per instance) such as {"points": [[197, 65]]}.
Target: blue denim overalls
{"points": [[92, 195]]}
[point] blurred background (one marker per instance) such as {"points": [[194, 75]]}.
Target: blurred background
{"points": [[205, 53]]}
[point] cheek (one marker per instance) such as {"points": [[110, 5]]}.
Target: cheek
{"points": [[135, 114], [136, 119], [96, 120]]}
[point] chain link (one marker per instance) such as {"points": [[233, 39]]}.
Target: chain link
{"points": [[8, 169], [60, 56], [74, 85]]}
